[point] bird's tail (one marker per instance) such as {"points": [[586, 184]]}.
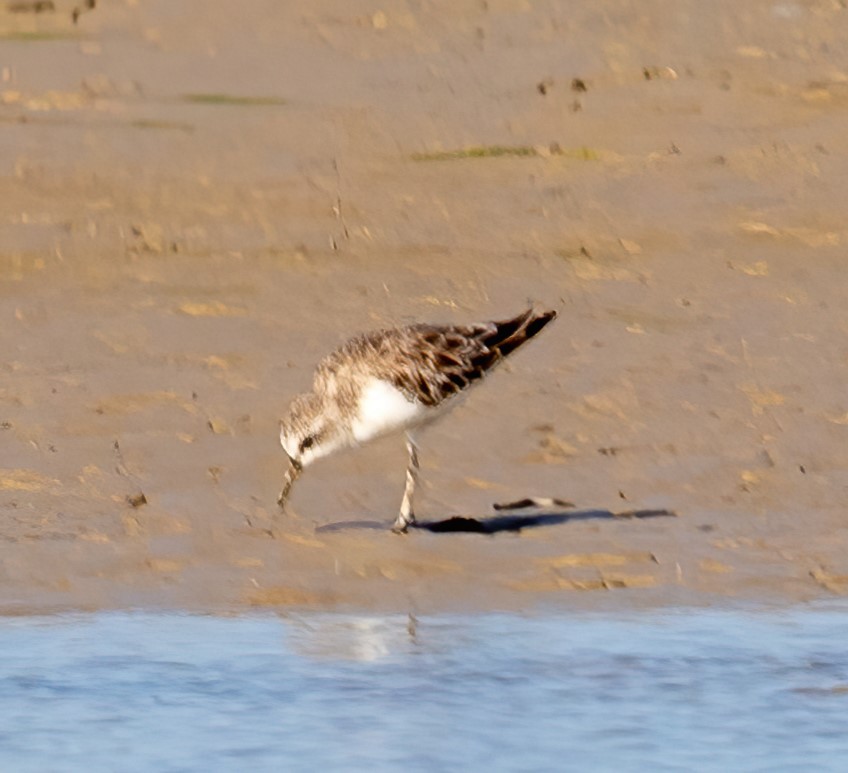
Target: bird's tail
{"points": [[506, 336]]}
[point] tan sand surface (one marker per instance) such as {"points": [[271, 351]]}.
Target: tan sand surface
{"points": [[198, 199]]}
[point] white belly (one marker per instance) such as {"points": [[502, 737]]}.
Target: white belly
{"points": [[383, 409]]}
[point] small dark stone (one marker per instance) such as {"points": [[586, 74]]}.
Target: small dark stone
{"points": [[137, 500], [543, 87]]}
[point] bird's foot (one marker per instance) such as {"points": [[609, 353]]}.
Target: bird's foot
{"points": [[403, 522]]}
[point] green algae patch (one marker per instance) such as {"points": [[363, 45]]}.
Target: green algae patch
{"points": [[232, 100], [515, 151]]}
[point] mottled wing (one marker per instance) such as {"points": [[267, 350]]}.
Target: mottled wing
{"points": [[431, 363]]}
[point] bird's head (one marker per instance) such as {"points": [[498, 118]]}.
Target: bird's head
{"points": [[306, 434]]}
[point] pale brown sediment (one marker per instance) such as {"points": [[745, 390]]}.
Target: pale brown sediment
{"points": [[180, 244]]}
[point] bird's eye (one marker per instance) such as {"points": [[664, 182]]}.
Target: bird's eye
{"points": [[307, 442]]}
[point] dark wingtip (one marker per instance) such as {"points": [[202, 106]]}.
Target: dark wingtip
{"points": [[540, 319], [512, 333]]}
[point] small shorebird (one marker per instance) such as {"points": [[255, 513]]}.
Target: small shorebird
{"points": [[393, 380]]}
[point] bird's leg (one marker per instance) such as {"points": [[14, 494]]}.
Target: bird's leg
{"points": [[406, 516]]}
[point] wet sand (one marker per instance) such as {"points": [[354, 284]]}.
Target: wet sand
{"points": [[198, 201]]}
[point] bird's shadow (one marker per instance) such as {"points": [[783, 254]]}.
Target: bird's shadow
{"points": [[511, 521]]}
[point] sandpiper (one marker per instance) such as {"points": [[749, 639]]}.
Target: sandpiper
{"points": [[395, 380]]}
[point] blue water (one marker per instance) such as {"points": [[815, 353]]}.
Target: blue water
{"points": [[682, 690]]}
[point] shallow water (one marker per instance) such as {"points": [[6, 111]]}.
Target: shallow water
{"points": [[693, 689]]}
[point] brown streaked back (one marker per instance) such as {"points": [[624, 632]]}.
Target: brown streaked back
{"points": [[431, 363]]}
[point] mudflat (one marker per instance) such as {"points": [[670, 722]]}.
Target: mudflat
{"points": [[198, 200]]}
